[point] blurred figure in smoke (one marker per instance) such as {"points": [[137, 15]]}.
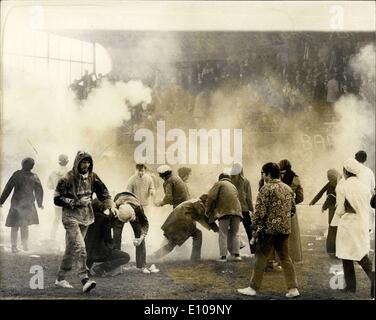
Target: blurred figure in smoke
{"points": [[100, 246], [223, 204], [53, 179], [245, 197], [142, 186], [330, 204], [184, 173], [130, 210], [74, 193], [352, 219], [175, 189], [292, 180], [181, 225], [22, 213]]}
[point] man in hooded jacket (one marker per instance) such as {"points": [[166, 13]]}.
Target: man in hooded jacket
{"points": [[74, 193]]}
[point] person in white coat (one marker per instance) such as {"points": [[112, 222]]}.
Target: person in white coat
{"points": [[352, 218]]}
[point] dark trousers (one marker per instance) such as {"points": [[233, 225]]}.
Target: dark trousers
{"points": [[331, 240], [196, 247], [247, 223], [349, 271], [140, 250], [263, 249], [114, 259]]}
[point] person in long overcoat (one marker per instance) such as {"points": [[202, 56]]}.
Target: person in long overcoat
{"points": [[352, 218], [23, 213], [289, 177]]}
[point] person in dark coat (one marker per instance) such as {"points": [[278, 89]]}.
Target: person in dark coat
{"points": [[175, 189], [130, 210], [22, 213], [289, 177], [223, 204], [329, 204], [245, 197], [99, 243], [180, 225]]}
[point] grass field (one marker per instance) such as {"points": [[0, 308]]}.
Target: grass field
{"points": [[182, 279]]}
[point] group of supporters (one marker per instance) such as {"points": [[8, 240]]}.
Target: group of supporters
{"points": [[94, 225]]}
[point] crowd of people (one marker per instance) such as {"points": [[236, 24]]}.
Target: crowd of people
{"points": [[94, 224], [83, 86], [264, 88]]}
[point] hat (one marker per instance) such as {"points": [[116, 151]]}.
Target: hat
{"points": [[163, 169], [126, 213], [352, 166], [236, 169]]}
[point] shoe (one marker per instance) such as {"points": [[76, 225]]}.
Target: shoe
{"points": [[153, 269], [247, 291], [293, 293], [144, 270], [234, 258], [63, 284], [98, 271], [116, 272], [222, 259], [88, 285]]}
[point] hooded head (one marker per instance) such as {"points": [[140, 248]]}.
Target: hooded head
{"points": [[80, 157], [27, 164], [351, 165]]}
